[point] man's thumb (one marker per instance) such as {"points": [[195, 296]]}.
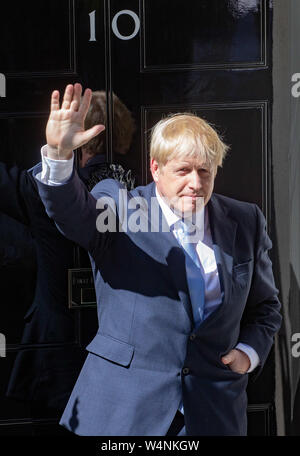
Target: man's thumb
{"points": [[94, 131], [83, 137], [228, 358]]}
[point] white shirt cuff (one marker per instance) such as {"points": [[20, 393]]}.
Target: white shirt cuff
{"points": [[55, 172], [251, 353]]}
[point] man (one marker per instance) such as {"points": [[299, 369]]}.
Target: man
{"points": [[185, 312], [49, 362]]}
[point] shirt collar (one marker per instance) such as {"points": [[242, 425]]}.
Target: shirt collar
{"points": [[173, 219]]}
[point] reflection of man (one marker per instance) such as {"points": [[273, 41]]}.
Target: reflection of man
{"points": [[17, 272], [49, 362], [93, 164], [180, 323]]}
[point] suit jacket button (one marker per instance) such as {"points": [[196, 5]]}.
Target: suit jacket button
{"points": [[185, 370], [192, 336]]}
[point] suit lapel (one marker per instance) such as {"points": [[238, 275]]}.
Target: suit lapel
{"points": [[223, 232], [169, 250]]}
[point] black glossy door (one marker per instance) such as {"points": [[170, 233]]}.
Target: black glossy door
{"points": [[211, 57]]}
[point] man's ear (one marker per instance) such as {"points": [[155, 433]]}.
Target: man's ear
{"points": [[154, 167]]}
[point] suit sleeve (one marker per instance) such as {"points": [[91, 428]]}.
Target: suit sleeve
{"points": [[261, 318], [14, 186], [75, 210]]}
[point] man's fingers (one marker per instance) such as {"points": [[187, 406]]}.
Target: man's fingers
{"points": [[55, 101], [76, 97], [68, 97], [85, 103]]}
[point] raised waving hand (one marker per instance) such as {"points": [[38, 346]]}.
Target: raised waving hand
{"points": [[65, 127]]}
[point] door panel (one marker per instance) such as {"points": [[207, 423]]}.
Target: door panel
{"points": [[38, 37], [205, 34], [248, 154]]}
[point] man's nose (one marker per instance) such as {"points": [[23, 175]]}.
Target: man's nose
{"points": [[195, 180]]}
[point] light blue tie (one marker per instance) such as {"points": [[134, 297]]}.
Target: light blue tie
{"points": [[193, 272]]}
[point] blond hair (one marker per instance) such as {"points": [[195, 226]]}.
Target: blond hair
{"points": [[185, 135]]}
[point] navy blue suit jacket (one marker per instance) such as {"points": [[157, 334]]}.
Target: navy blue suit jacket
{"points": [[133, 378]]}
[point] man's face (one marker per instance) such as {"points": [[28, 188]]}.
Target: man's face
{"points": [[186, 183]]}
